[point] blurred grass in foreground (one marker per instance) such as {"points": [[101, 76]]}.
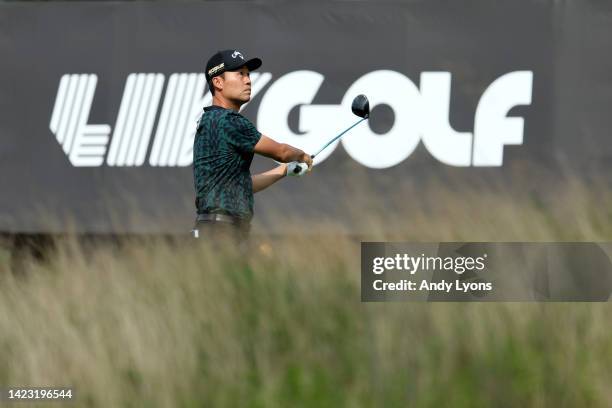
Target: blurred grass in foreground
{"points": [[152, 322]]}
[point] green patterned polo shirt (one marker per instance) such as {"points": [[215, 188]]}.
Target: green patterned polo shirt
{"points": [[223, 149]]}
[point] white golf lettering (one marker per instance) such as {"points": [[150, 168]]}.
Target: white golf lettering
{"points": [[419, 115], [442, 141], [492, 129]]}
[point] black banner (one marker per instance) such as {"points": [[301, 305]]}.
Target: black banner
{"points": [[99, 100]]}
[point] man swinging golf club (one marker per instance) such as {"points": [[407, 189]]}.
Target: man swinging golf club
{"points": [[223, 149]]}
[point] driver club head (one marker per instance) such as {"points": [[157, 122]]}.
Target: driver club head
{"points": [[361, 106]]}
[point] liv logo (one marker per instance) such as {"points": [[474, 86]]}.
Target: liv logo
{"points": [[86, 144]]}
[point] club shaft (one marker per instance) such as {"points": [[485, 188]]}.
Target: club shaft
{"points": [[338, 137]]}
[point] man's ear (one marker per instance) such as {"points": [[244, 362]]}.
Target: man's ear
{"points": [[218, 81]]}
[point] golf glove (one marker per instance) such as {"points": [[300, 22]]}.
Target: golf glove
{"points": [[296, 169]]}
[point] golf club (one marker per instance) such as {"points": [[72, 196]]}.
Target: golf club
{"points": [[361, 108]]}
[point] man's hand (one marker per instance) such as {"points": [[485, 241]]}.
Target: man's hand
{"points": [[306, 159]]}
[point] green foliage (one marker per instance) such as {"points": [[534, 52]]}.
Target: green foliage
{"points": [[178, 324]]}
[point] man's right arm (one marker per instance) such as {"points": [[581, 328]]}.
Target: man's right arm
{"points": [[281, 152]]}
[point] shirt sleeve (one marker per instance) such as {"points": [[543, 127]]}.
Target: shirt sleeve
{"points": [[242, 134]]}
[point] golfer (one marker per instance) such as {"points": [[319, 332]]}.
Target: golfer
{"points": [[223, 149]]}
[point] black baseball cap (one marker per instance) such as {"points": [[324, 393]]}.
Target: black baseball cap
{"points": [[229, 60]]}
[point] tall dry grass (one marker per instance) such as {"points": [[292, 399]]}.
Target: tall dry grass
{"points": [[153, 322]]}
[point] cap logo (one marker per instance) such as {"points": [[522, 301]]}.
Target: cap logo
{"points": [[237, 54], [216, 69]]}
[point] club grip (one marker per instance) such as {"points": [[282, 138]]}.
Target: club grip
{"points": [[297, 169]]}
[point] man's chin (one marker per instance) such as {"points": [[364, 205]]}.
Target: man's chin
{"points": [[243, 99]]}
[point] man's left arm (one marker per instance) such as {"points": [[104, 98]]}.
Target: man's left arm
{"points": [[265, 180]]}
